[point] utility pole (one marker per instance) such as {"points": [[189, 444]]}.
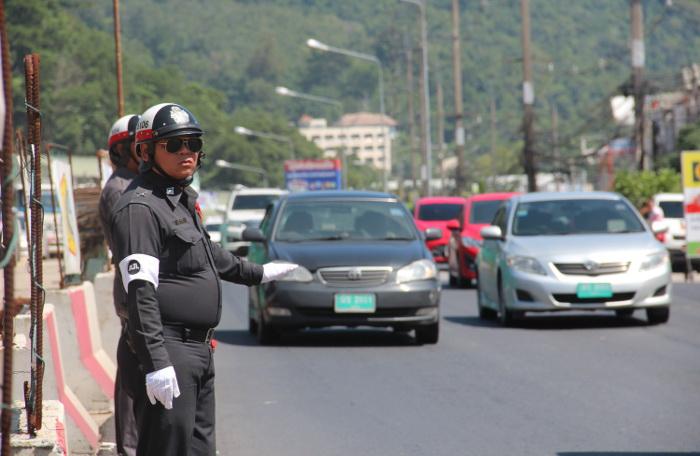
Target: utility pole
{"points": [[493, 143], [457, 79], [118, 58], [638, 81], [411, 111], [528, 101], [555, 144]]}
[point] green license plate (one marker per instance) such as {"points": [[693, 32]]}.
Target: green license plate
{"points": [[358, 303], [594, 290]]}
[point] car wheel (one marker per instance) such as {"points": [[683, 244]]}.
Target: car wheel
{"points": [[505, 316], [265, 334], [453, 280], [428, 334], [485, 313], [657, 315], [624, 313]]}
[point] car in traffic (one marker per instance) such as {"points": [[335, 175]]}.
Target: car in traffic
{"points": [[363, 262], [674, 228], [245, 208], [213, 224], [571, 251], [465, 236], [436, 212]]}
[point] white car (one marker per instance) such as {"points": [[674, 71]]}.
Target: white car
{"points": [[673, 223], [571, 251], [213, 226], [245, 208]]}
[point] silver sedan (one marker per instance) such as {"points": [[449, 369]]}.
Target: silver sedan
{"points": [[571, 251]]}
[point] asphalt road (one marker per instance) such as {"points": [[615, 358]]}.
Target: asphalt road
{"points": [[556, 385]]}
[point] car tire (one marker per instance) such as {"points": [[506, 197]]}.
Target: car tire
{"points": [[658, 315], [624, 313], [428, 334], [485, 313], [505, 316], [453, 280], [265, 334]]}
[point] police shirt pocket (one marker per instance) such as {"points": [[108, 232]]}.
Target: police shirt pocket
{"points": [[188, 250]]}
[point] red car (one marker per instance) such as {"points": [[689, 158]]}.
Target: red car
{"points": [[435, 212], [465, 236]]}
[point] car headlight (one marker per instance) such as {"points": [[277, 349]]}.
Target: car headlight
{"points": [[654, 260], [418, 270], [526, 264], [300, 274], [471, 242]]}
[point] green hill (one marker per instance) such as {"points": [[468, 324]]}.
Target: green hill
{"points": [[223, 59]]}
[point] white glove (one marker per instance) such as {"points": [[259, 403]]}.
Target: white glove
{"points": [[274, 271], [162, 385]]}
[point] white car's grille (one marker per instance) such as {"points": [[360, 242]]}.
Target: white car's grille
{"points": [[354, 276], [592, 269]]}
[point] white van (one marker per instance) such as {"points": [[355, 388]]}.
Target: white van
{"points": [[674, 220], [246, 207]]}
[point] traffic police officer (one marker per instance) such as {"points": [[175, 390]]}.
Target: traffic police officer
{"points": [[171, 270], [126, 166]]}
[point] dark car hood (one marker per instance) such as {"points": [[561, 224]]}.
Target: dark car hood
{"points": [[314, 255]]}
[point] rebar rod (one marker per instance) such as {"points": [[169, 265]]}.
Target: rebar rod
{"points": [[8, 233]]}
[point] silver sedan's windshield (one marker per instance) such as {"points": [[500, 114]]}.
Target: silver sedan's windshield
{"points": [[344, 220], [581, 216]]}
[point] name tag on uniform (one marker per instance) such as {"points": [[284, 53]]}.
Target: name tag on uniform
{"points": [[180, 221]]}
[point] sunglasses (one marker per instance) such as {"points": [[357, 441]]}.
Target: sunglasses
{"points": [[173, 145]]}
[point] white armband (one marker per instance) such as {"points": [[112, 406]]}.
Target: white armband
{"points": [[139, 267]]}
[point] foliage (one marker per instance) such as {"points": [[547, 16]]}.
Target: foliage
{"points": [[639, 186], [223, 58]]}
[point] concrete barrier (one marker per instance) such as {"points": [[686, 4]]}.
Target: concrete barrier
{"points": [[81, 430], [50, 440], [91, 374], [110, 325]]}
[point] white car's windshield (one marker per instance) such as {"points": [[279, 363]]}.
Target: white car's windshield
{"points": [[344, 220], [562, 217]]}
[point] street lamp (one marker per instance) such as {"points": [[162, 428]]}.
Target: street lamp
{"points": [[285, 92], [315, 44], [261, 134], [425, 102], [252, 169]]}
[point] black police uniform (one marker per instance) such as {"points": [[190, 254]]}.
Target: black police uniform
{"points": [[124, 386], [171, 271]]}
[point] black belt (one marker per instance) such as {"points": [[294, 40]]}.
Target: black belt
{"points": [[203, 335]]}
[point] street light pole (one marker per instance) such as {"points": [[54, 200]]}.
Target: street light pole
{"points": [[425, 99], [315, 44], [285, 92], [252, 169], [261, 134]]}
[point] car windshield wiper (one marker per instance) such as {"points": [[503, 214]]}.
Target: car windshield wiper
{"points": [[395, 238], [332, 237]]}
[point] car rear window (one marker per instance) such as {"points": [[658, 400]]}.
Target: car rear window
{"points": [[442, 211], [344, 220], [246, 202], [580, 216], [483, 211], [672, 209]]}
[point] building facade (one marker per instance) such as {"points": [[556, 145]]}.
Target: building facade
{"points": [[365, 137]]}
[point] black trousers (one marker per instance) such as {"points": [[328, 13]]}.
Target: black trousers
{"points": [[129, 380], [188, 429]]}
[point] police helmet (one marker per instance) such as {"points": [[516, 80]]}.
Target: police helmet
{"points": [[123, 131]]}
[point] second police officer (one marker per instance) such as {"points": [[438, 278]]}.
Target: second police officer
{"points": [[122, 154], [170, 271]]}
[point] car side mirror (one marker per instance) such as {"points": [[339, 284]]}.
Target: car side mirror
{"points": [[492, 232], [253, 235], [432, 234], [453, 225]]}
